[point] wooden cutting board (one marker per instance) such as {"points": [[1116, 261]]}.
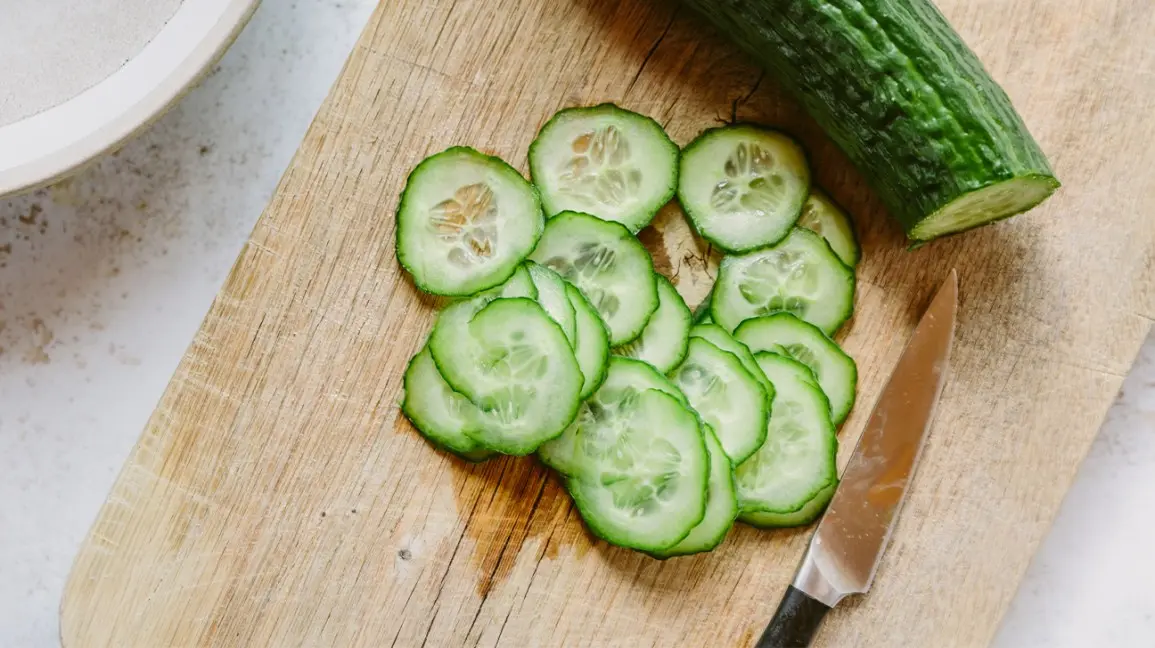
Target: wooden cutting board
{"points": [[276, 498]]}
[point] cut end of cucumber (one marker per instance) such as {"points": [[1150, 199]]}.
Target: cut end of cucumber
{"points": [[607, 161], [991, 203]]}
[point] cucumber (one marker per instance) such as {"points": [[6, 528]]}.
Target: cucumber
{"points": [[592, 345], [786, 335], [721, 506], [647, 489], [663, 341], [718, 336], [551, 294], [702, 312], [608, 264], [614, 400], [797, 462], [799, 275], [440, 414], [518, 285], [512, 361], [825, 218], [465, 222], [896, 88], [809, 512], [730, 400], [743, 186], [606, 161]]}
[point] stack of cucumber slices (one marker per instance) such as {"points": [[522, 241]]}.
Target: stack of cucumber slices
{"points": [[665, 425]]}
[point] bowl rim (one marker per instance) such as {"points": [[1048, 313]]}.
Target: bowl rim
{"points": [[58, 141]]}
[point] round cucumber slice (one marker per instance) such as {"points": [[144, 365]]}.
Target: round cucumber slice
{"points": [[608, 265], [440, 414], [786, 335], [743, 186], [512, 361], [592, 346], [607, 161], [799, 275], [797, 462], [465, 222], [601, 415], [551, 294], [648, 489], [721, 506], [718, 336], [824, 217], [663, 341], [728, 398]]}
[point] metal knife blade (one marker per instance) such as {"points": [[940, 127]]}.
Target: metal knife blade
{"points": [[847, 548]]}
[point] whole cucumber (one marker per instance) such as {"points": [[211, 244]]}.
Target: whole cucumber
{"points": [[894, 85]]}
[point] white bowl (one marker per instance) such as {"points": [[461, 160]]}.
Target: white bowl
{"points": [[46, 146]]}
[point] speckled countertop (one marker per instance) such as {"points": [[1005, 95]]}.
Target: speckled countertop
{"points": [[105, 278]]}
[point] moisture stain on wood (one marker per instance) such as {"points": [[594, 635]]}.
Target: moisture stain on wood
{"points": [[509, 504]]}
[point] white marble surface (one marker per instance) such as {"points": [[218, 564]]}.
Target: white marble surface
{"points": [[104, 279]]}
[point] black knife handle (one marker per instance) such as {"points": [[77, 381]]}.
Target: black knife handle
{"points": [[795, 622]]}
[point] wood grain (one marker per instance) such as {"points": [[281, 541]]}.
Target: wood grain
{"points": [[276, 498]]}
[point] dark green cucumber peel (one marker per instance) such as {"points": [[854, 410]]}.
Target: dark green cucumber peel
{"points": [[911, 105]]}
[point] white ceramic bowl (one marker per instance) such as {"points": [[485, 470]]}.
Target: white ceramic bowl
{"points": [[55, 142]]}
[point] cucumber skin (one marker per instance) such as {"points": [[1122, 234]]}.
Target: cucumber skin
{"points": [[922, 102], [417, 170]]}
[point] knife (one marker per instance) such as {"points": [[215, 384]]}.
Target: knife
{"points": [[848, 544]]}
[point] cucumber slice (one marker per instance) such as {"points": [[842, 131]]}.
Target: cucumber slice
{"points": [[718, 336], [786, 335], [809, 512], [797, 462], [730, 400], [608, 265], [743, 186], [702, 312], [800, 275], [551, 294], [721, 505], [518, 285], [601, 413], [663, 341], [440, 414], [607, 161], [512, 361], [465, 222], [824, 217], [649, 488], [592, 347]]}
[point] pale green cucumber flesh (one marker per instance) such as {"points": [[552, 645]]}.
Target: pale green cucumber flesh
{"points": [[785, 334], [648, 488], [465, 222], [663, 342], [606, 161]]}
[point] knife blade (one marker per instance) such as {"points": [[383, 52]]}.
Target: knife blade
{"points": [[847, 547]]}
